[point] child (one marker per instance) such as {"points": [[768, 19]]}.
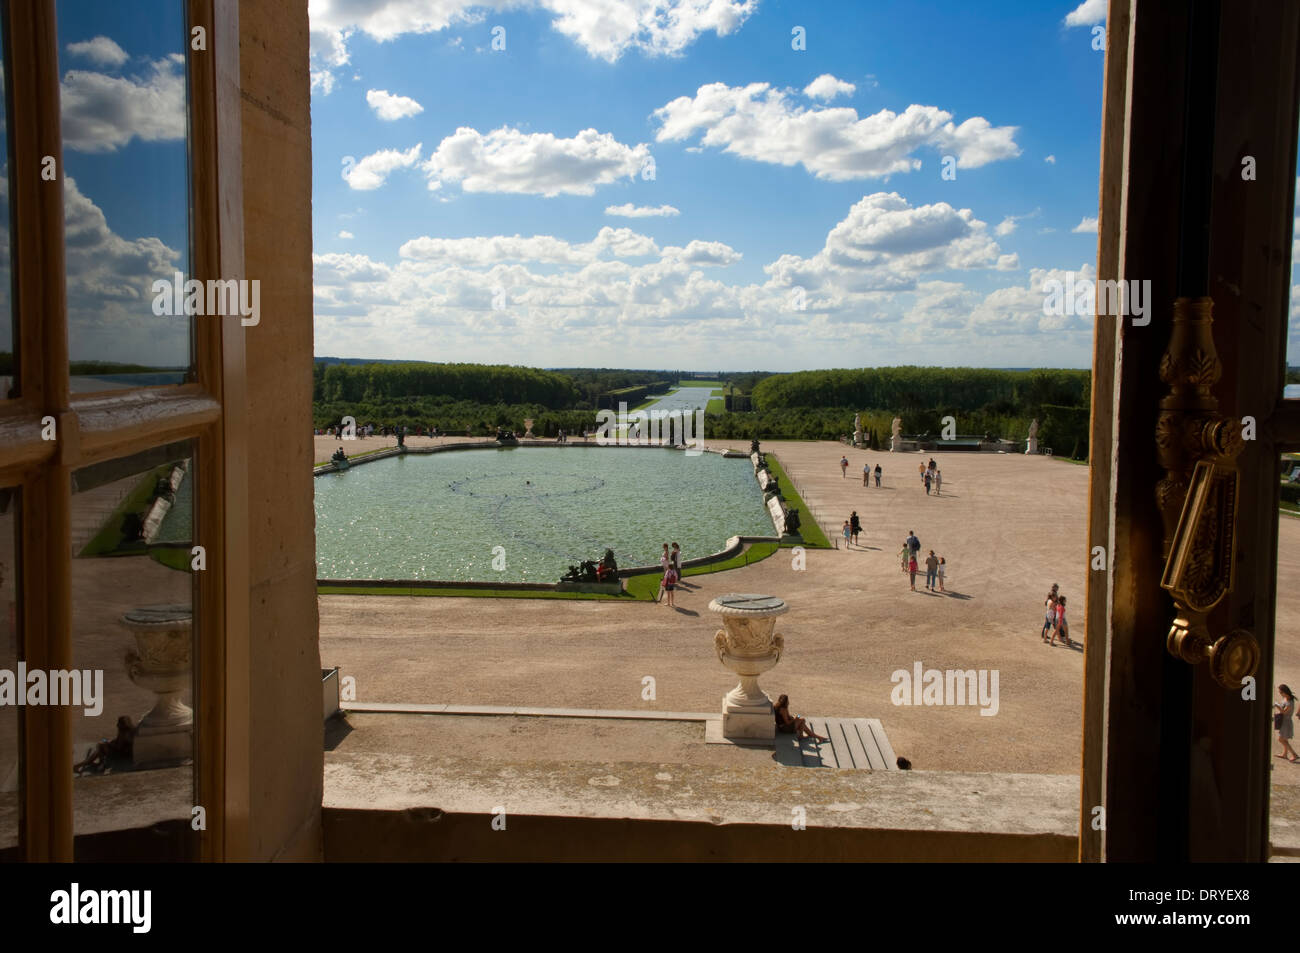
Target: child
{"points": [[902, 558], [943, 568], [848, 533], [912, 569], [670, 583]]}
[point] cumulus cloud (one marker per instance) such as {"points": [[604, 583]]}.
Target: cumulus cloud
{"points": [[640, 211], [826, 87], [1050, 160], [884, 243], [481, 252], [1087, 226], [605, 29], [703, 253], [1087, 13], [110, 296], [510, 161], [390, 107], [100, 50], [346, 234], [1009, 224], [372, 171], [102, 113], [763, 123]]}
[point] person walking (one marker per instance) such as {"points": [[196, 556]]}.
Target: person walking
{"points": [[913, 544], [844, 466], [931, 570], [1049, 620], [926, 480], [848, 533], [943, 568], [1284, 723], [665, 560], [920, 469], [670, 584], [1062, 627], [675, 557], [902, 557], [938, 482], [877, 474], [866, 474], [855, 525], [912, 569]]}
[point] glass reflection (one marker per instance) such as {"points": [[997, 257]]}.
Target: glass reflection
{"points": [[132, 627], [123, 95], [7, 364], [10, 653]]}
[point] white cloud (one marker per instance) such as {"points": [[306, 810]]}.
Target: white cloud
{"points": [[703, 253], [372, 171], [1088, 226], [1010, 223], [762, 123], [103, 113], [346, 234], [1050, 160], [485, 251], [605, 29], [387, 106], [110, 296], [640, 211], [1087, 13], [507, 160], [886, 244], [826, 87], [100, 50]]}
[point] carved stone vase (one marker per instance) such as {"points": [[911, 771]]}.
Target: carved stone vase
{"points": [[748, 645], [161, 662]]}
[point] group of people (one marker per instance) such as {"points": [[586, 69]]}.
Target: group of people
{"points": [[931, 476], [1054, 620], [671, 564], [867, 472], [936, 567], [852, 527]]}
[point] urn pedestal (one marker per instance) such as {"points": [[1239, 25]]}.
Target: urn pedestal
{"points": [[161, 662], [748, 646], [1031, 445]]}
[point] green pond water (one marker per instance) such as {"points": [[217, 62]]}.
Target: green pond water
{"points": [[439, 516]]}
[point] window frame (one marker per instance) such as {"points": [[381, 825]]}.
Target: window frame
{"points": [[210, 411]]}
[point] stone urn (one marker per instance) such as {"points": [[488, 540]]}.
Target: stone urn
{"points": [[528, 427], [161, 662], [748, 646]]}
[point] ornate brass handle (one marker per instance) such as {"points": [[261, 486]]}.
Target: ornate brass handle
{"points": [[1198, 447]]}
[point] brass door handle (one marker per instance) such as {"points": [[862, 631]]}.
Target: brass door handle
{"points": [[1201, 570]]}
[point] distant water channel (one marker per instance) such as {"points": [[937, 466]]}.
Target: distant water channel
{"points": [[439, 516]]}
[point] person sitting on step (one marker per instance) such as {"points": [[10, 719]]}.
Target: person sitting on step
{"points": [[792, 724]]}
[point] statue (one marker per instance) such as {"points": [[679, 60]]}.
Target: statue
{"points": [[896, 442], [792, 522], [753, 445], [857, 430], [1031, 445]]}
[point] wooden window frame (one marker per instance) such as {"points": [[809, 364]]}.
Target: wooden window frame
{"points": [[211, 411]]}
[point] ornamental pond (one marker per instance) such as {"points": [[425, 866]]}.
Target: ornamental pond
{"points": [[441, 515]]}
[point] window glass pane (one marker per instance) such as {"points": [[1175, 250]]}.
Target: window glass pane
{"points": [[124, 96], [10, 725], [7, 363], [132, 630]]}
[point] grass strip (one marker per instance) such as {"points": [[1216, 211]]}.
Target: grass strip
{"points": [[812, 534]]}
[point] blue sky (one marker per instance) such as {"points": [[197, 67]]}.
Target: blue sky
{"points": [[634, 183], [930, 270]]}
